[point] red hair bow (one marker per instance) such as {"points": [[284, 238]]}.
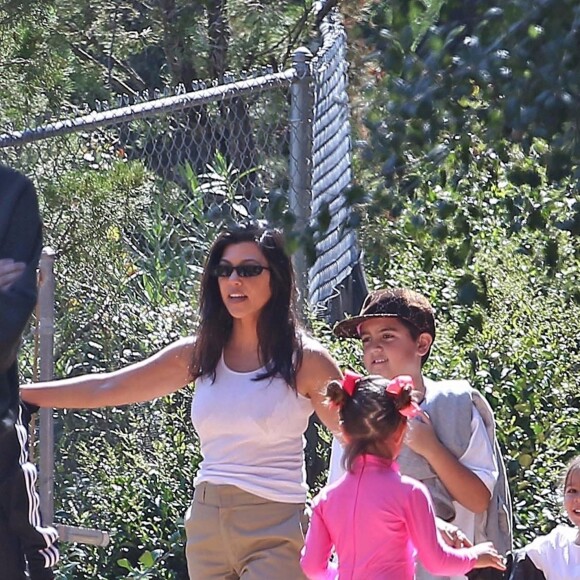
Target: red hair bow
{"points": [[349, 382], [396, 386]]}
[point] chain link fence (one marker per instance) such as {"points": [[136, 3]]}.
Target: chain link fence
{"points": [[336, 248], [209, 156], [133, 192], [267, 145]]}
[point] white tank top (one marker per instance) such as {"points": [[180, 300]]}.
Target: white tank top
{"points": [[251, 434]]}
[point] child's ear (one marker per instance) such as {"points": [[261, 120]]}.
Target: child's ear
{"points": [[424, 343]]}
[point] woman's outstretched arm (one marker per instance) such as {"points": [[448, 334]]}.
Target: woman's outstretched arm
{"points": [[156, 376]]}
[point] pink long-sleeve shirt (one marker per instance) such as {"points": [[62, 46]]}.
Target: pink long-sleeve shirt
{"points": [[377, 520]]}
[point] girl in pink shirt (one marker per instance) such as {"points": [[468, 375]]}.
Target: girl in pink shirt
{"points": [[376, 519]]}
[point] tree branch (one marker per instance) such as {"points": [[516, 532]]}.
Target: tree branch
{"points": [[218, 33], [117, 84]]}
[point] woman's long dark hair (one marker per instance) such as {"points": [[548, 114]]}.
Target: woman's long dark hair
{"points": [[279, 339]]}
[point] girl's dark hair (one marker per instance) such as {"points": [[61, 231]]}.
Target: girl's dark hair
{"points": [[369, 417], [572, 466], [279, 338]]}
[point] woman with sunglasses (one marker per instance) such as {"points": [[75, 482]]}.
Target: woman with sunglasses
{"points": [[258, 378]]}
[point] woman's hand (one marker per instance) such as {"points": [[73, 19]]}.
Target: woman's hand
{"points": [[10, 271]]}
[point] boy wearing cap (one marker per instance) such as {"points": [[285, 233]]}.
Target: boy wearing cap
{"points": [[455, 451]]}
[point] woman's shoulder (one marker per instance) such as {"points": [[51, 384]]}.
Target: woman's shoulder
{"points": [[314, 354], [312, 346], [317, 367], [185, 343], [180, 349]]}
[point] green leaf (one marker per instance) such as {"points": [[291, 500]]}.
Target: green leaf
{"points": [[146, 559], [124, 563]]}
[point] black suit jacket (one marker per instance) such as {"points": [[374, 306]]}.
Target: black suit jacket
{"points": [[21, 240], [520, 567]]}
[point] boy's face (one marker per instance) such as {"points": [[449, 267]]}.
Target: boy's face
{"points": [[389, 349]]}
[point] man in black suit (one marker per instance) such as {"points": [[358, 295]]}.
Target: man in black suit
{"points": [[26, 546]]}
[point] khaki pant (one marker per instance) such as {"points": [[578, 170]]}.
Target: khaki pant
{"points": [[232, 534]]}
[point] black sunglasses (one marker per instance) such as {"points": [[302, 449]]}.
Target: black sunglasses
{"points": [[243, 271]]}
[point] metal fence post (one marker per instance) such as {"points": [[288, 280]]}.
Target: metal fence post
{"points": [[300, 169], [46, 429], [46, 349]]}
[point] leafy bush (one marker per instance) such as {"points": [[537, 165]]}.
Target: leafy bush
{"points": [[130, 472], [501, 271]]}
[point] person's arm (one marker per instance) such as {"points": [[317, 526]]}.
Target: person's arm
{"points": [[452, 535], [434, 554], [335, 468], [10, 271], [317, 370], [462, 484], [315, 556], [156, 376]]}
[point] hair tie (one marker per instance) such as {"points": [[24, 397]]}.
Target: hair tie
{"points": [[350, 381], [411, 409]]}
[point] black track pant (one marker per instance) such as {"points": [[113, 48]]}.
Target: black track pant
{"points": [[24, 543]]}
